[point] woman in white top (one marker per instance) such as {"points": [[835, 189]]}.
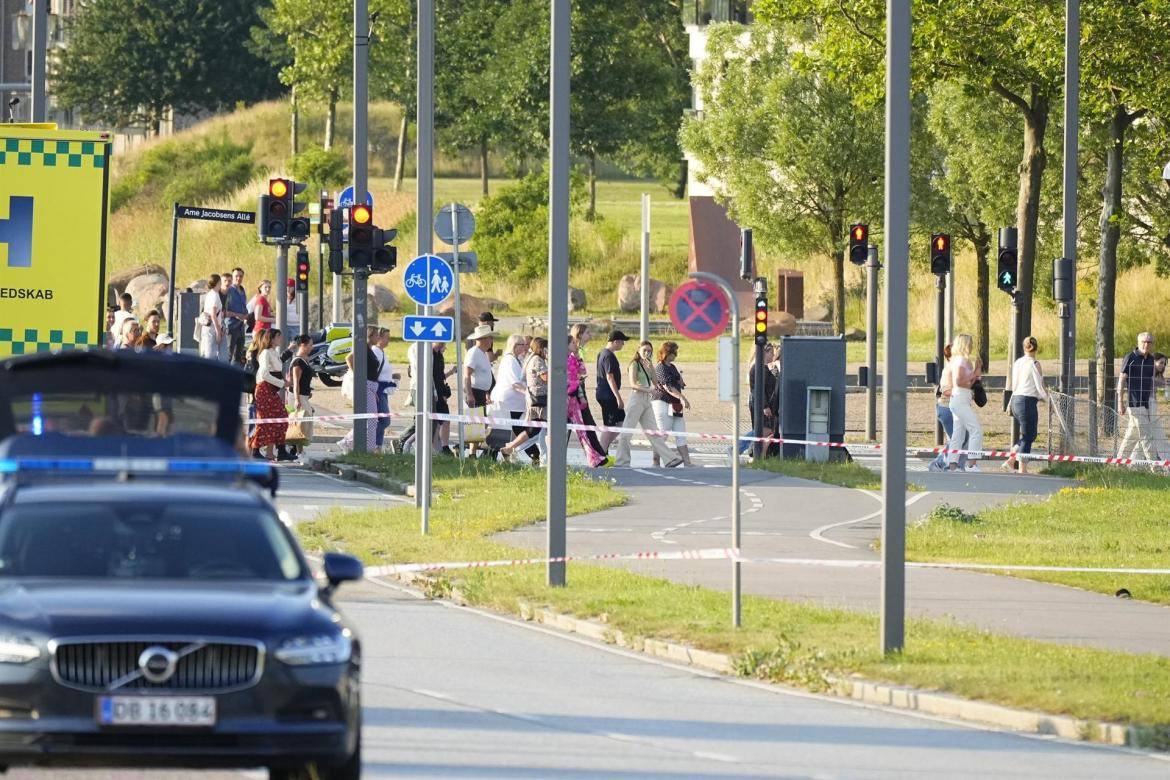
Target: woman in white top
{"points": [[270, 384], [292, 316], [964, 371], [1027, 384], [510, 395], [210, 321]]}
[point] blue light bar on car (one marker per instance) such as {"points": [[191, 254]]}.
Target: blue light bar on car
{"points": [[134, 465]]}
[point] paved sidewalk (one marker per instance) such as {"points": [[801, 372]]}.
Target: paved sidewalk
{"points": [[783, 517]]}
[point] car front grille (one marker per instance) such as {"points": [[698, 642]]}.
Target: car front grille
{"points": [[203, 666]]}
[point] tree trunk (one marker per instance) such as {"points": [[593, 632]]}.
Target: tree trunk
{"points": [[1107, 271], [839, 290], [330, 121], [400, 160], [982, 287], [591, 214], [680, 187], [1032, 167], [296, 124], [483, 165]]}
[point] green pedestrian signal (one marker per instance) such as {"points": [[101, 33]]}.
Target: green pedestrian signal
{"points": [[1005, 276]]}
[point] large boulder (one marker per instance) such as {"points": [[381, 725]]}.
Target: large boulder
{"points": [[630, 291], [472, 306], [818, 313], [200, 286], [780, 323], [387, 300], [577, 300], [372, 310], [854, 334], [149, 291], [116, 282]]}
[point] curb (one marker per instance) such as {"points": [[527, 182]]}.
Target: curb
{"points": [[355, 474], [855, 688]]}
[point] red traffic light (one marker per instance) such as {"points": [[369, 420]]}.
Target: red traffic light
{"points": [[860, 233], [278, 188], [941, 242], [361, 215]]}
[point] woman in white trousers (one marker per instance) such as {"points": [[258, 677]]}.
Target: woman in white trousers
{"points": [[640, 412], [964, 372]]}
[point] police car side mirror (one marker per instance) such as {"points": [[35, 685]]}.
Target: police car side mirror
{"points": [[340, 568]]}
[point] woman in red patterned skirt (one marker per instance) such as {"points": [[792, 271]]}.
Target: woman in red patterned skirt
{"points": [[269, 388]]}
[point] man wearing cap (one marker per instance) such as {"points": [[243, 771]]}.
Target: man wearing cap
{"points": [[489, 319], [609, 387]]}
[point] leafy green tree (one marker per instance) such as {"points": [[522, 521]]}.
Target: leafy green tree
{"points": [[320, 36], [788, 150], [132, 61], [321, 169]]}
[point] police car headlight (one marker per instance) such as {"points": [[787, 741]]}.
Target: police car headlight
{"points": [[18, 649], [314, 650]]}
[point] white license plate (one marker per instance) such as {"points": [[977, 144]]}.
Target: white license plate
{"points": [[156, 711]]}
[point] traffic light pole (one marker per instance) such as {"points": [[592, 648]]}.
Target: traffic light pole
{"points": [[361, 94], [320, 272], [871, 325], [1072, 85], [424, 208], [280, 290], [940, 327]]}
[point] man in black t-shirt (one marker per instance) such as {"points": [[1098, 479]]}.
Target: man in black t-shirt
{"points": [[1134, 392], [609, 386]]}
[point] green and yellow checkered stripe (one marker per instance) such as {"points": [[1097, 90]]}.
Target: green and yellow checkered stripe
{"points": [[51, 154], [25, 341]]}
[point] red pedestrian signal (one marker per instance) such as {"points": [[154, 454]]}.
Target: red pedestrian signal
{"points": [[858, 243], [940, 254]]}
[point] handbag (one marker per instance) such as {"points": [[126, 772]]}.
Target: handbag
{"points": [[347, 386], [979, 393], [476, 432], [294, 434]]}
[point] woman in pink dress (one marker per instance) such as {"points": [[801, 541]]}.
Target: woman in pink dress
{"points": [[589, 442]]}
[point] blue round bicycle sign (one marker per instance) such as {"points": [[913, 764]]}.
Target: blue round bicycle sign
{"points": [[428, 280]]}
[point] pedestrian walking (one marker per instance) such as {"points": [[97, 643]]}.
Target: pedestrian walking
{"points": [[771, 399], [536, 382], [236, 312], [942, 410], [387, 383], [209, 323], [595, 455], [1161, 446], [1135, 388], [125, 311], [261, 308], [150, 333], [609, 386], [441, 394], [1027, 385], [270, 386], [510, 395], [639, 411], [371, 391], [581, 337], [965, 371], [489, 319], [669, 401], [291, 315], [109, 340], [131, 334], [301, 384]]}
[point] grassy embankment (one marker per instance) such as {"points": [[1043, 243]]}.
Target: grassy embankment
{"points": [[779, 641], [1115, 518], [140, 233]]}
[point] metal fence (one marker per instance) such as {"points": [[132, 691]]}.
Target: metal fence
{"points": [[1077, 426]]}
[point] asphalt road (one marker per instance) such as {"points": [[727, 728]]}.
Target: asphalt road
{"points": [[454, 692]]}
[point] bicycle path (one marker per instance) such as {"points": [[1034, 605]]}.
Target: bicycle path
{"points": [[684, 509]]}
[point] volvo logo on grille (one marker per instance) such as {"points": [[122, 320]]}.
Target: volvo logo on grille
{"points": [[158, 663]]}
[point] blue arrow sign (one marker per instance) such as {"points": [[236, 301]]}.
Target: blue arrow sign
{"points": [[419, 328], [428, 280]]}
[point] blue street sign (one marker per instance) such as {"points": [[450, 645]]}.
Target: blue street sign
{"points": [[418, 328], [428, 280], [345, 199]]}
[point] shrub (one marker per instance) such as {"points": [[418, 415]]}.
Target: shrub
{"points": [[187, 173], [321, 168], [511, 234]]}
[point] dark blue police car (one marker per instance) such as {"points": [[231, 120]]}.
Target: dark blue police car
{"points": [[154, 609]]}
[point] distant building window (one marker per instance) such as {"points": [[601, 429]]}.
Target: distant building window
{"points": [[704, 12]]}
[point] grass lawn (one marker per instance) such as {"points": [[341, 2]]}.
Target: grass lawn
{"points": [[780, 641], [845, 474], [1113, 518]]}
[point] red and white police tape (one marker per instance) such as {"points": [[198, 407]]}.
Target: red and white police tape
{"points": [[508, 423], [731, 554]]}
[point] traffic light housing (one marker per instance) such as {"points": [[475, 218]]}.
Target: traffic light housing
{"points": [[745, 253], [761, 323], [275, 210], [940, 254], [385, 255], [302, 271], [336, 241], [298, 226], [1007, 266], [361, 236], [858, 243]]}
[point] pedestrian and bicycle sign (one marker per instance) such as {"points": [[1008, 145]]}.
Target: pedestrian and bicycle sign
{"points": [[699, 310], [419, 328], [428, 280]]}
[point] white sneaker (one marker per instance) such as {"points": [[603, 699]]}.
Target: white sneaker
{"points": [[972, 467]]}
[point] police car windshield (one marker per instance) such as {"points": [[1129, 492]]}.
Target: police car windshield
{"points": [[145, 541], [120, 414]]}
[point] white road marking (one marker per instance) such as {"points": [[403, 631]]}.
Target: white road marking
{"points": [[817, 533]]}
